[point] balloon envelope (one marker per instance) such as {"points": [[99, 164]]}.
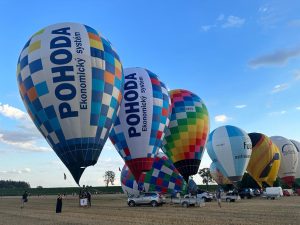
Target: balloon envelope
{"points": [[217, 175], [231, 147], [144, 114], [187, 133], [163, 178], [192, 187], [70, 81], [289, 159], [275, 167], [297, 176], [265, 158]]}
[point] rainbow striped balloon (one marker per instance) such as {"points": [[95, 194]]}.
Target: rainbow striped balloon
{"points": [[187, 133], [163, 178]]}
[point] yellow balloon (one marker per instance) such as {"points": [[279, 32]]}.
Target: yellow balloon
{"points": [[275, 167], [265, 159]]}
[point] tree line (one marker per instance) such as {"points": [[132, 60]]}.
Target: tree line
{"points": [[14, 184]]}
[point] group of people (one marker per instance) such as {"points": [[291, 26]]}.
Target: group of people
{"points": [[85, 194]]}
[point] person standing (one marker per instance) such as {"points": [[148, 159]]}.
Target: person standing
{"points": [[59, 204], [218, 195], [89, 198], [24, 199]]}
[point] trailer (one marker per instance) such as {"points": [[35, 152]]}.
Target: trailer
{"points": [[272, 193]]}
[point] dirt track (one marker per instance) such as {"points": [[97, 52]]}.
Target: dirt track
{"points": [[112, 210]]}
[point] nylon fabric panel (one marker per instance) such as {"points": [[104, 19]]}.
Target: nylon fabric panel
{"points": [[223, 150], [297, 175], [187, 133], [70, 80], [163, 178], [289, 156]]}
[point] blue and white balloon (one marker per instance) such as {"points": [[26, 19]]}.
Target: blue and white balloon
{"points": [[70, 80], [231, 147]]}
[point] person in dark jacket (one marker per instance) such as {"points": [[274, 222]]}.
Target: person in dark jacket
{"points": [[218, 195], [89, 197], [24, 199], [59, 204]]}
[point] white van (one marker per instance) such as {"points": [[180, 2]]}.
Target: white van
{"points": [[273, 192]]}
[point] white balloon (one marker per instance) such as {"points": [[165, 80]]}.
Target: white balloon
{"points": [[297, 145], [289, 159]]}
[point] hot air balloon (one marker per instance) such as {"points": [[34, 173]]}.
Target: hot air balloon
{"points": [[187, 133], [231, 147], [275, 167], [297, 176], [217, 175], [144, 114], [192, 187], [163, 178], [70, 80], [289, 159], [264, 157]]}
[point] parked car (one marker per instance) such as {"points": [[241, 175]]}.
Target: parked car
{"points": [[188, 200], [151, 198], [286, 193], [206, 196], [230, 197], [246, 193], [257, 192]]}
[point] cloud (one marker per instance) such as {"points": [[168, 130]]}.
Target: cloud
{"points": [[263, 9], [206, 27], [240, 106], [224, 22], [15, 171], [279, 57], [279, 87], [278, 113], [25, 136], [22, 142], [298, 108], [12, 112], [269, 16], [233, 22], [221, 118]]}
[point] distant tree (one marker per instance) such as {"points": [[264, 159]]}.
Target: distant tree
{"points": [[206, 176], [39, 187], [14, 184], [109, 177]]}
